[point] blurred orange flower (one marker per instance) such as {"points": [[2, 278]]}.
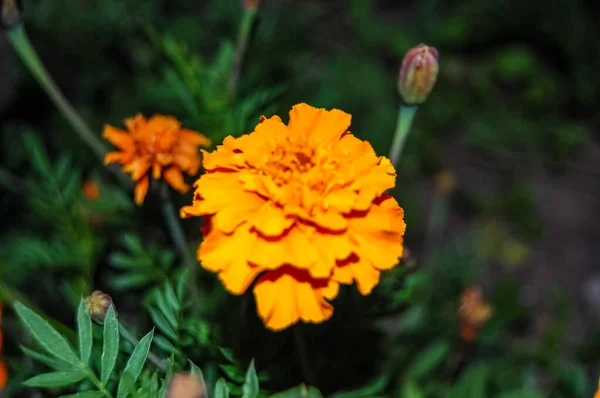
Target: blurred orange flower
{"points": [[159, 145], [597, 395], [302, 208], [91, 190], [3, 371], [474, 312]]}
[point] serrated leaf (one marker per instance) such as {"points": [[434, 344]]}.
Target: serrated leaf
{"points": [[57, 364], [50, 339], [55, 379], [221, 389], [133, 280], [133, 243], [136, 362], [124, 261], [84, 330], [250, 387], [110, 348], [172, 297], [428, 359], [85, 394], [161, 322]]}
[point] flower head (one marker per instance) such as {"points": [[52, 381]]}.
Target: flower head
{"points": [[158, 146], [98, 304], [474, 312], [91, 190], [418, 74], [304, 207]]}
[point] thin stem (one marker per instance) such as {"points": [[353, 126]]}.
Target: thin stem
{"points": [[180, 243], [240, 51], [406, 115], [307, 373], [101, 387], [18, 37], [160, 363]]}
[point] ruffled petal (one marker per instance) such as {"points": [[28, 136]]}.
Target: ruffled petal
{"points": [[174, 177], [141, 189], [119, 138], [194, 138], [285, 296], [320, 124]]}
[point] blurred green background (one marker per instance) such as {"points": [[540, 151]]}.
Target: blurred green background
{"points": [[514, 117]]}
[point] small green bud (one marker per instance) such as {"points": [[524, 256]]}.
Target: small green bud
{"points": [[418, 74], [97, 305], [11, 14]]}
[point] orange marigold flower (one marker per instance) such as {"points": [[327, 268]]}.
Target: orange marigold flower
{"points": [[158, 145], [91, 190], [302, 207], [597, 395]]}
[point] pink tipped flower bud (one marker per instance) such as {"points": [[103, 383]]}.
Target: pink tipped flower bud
{"points": [[97, 305], [251, 5], [418, 74]]}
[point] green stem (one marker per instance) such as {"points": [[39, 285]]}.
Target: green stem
{"points": [[178, 236], [406, 115], [101, 387], [302, 351], [18, 37], [160, 363], [242, 44]]}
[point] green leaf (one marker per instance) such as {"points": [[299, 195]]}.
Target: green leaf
{"points": [[300, 391], [233, 372], [250, 386], [163, 343], [221, 389], [162, 323], [370, 390], [110, 349], [520, 394], [228, 354], [48, 338], [57, 364], [167, 309], [85, 394], [84, 328], [428, 359], [411, 390], [55, 379], [136, 362]]}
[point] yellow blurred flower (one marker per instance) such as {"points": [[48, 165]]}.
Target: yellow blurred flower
{"points": [[158, 145], [300, 207]]}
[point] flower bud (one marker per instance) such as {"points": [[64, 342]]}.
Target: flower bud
{"points": [[97, 305], [418, 74], [445, 182], [185, 385], [251, 5], [11, 13]]}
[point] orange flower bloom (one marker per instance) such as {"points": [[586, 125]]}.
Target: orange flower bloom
{"points": [[3, 371], [474, 313], [91, 190], [302, 208], [159, 145], [597, 395]]}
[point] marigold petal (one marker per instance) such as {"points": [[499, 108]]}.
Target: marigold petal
{"points": [[194, 138], [321, 124], [117, 157], [138, 168], [215, 254], [331, 220], [271, 221], [141, 189], [119, 138], [174, 177], [135, 122], [287, 295], [3, 376], [359, 270], [156, 171]]}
